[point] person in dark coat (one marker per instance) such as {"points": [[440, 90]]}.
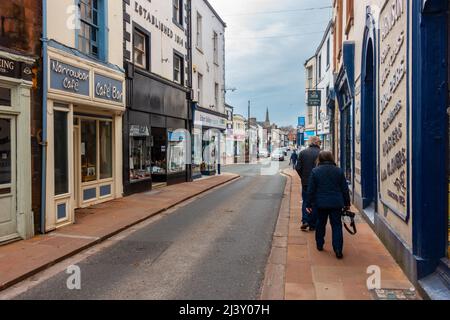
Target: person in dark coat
{"points": [[294, 158], [306, 162], [328, 192]]}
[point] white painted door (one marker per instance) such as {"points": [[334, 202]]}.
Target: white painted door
{"points": [[8, 214]]}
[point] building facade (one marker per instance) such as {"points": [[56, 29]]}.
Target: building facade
{"points": [[311, 111], [156, 135], [391, 110], [84, 100], [208, 74], [239, 132], [229, 157], [20, 118]]}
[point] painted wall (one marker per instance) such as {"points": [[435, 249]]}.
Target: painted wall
{"points": [[162, 44], [203, 58]]}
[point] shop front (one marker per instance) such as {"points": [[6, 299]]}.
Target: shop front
{"points": [[208, 142], [16, 217], [156, 139], [84, 154]]}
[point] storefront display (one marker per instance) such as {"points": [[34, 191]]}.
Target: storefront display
{"points": [[140, 153]]}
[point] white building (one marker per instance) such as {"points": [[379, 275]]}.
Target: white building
{"points": [[208, 85]]}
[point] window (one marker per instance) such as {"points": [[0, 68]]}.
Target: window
{"points": [[319, 68], [106, 163], [140, 153], [216, 95], [310, 77], [140, 49], [310, 115], [178, 68], [61, 153], [199, 31], [178, 12], [328, 52], [5, 151], [200, 89], [88, 150], [5, 97], [88, 35], [216, 47]]}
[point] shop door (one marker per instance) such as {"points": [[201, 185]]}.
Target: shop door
{"points": [[8, 216], [77, 164]]}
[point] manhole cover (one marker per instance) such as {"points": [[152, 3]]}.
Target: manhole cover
{"points": [[395, 294]]}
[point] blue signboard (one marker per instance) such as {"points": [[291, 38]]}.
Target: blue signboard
{"points": [[309, 134], [68, 78], [108, 89], [301, 121]]}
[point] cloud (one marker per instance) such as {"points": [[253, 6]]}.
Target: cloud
{"points": [[264, 61]]}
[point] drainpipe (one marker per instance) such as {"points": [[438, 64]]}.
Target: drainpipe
{"points": [[44, 116]]}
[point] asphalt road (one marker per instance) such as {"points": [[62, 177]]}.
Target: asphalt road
{"points": [[215, 247]]}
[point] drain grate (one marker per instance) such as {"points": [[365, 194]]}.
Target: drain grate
{"points": [[394, 294]]}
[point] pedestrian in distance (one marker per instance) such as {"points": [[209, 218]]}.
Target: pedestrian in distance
{"points": [[294, 158], [307, 161], [329, 194]]}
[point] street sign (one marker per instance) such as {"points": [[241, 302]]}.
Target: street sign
{"points": [[314, 98], [301, 121]]}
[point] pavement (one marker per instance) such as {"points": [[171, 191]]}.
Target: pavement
{"points": [[22, 259], [297, 271], [214, 246]]}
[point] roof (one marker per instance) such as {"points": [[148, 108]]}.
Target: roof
{"points": [[215, 13]]}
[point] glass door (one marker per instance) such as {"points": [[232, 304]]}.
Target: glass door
{"points": [[8, 217]]}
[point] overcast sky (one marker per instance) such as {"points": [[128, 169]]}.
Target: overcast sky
{"points": [[265, 53]]}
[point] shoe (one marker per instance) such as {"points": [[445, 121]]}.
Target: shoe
{"points": [[320, 248], [304, 227], [339, 255]]}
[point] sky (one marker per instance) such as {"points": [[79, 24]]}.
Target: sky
{"points": [[265, 53]]}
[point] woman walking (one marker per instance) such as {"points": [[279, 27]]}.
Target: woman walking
{"points": [[328, 192]]}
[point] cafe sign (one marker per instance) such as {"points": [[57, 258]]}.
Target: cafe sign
{"points": [[68, 78], [108, 89]]}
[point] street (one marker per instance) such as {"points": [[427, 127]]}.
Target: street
{"points": [[215, 247]]}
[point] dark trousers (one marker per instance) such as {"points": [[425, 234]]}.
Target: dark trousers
{"points": [[335, 216], [310, 219]]}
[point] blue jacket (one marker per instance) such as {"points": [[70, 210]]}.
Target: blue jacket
{"points": [[328, 188], [294, 157]]}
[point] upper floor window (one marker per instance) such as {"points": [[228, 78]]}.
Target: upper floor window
{"points": [[216, 47], [178, 12], [328, 52], [200, 89], [140, 49], [319, 67], [178, 65], [199, 41], [88, 35], [310, 77], [216, 94]]}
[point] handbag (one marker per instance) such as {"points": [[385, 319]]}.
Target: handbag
{"points": [[352, 216]]}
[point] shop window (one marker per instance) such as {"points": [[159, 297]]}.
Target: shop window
{"points": [[89, 33], [159, 154], [61, 153], [88, 150], [140, 153], [140, 49], [5, 151], [106, 145], [178, 68], [5, 97], [177, 151]]}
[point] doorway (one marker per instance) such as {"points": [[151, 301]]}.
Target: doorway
{"points": [[8, 194], [368, 131]]}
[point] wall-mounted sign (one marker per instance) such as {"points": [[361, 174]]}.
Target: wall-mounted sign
{"points": [[208, 120], [301, 121], [107, 88], [393, 106], [15, 69], [68, 78], [314, 98]]}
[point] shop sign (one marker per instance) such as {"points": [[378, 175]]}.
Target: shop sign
{"points": [[393, 126], [209, 120], [139, 131], [68, 78], [108, 89], [15, 69], [314, 98]]}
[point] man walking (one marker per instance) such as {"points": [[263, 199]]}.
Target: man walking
{"points": [[307, 161], [294, 158]]}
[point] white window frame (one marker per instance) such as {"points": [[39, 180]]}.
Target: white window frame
{"points": [[199, 26]]}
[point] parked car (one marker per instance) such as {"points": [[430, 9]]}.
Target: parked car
{"points": [[278, 155], [264, 153]]}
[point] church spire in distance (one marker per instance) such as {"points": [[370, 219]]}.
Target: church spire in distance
{"points": [[267, 117]]}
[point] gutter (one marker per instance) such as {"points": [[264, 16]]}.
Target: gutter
{"points": [[44, 142]]}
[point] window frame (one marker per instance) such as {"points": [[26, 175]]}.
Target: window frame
{"points": [[200, 89], [92, 28], [217, 94], [178, 55], [178, 18], [199, 32], [147, 37], [216, 47]]}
